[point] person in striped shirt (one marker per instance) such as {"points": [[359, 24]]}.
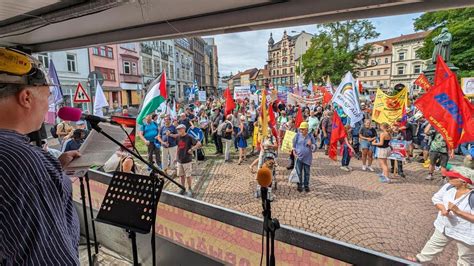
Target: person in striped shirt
{"points": [[38, 222]]}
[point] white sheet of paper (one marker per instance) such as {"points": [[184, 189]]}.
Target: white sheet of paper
{"points": [[97, 149]]}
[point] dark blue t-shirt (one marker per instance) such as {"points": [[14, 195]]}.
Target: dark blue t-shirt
{"points": [[73, 145], [171, 141]]}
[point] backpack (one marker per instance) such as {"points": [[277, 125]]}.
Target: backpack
{"points": [[245, 132], [471, 196], [221, 129], [53, 131], [200, 155]]}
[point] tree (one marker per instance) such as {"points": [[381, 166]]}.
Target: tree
{"points": [[460, 24], [337, 49]]}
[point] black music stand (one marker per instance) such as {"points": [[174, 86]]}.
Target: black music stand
{"points": [[130, 203]]}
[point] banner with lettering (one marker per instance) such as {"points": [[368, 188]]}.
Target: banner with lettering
{"points": [[388, 109], [423, 82], [283, 94], [240, 93], [296, 99], [222, 242], [446, 109], [347, 97]]}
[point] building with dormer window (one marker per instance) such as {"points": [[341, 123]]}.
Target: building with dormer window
{"points": [[284, 55]]}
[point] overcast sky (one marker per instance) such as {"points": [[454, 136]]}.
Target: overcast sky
{"points": [[240, 51]]}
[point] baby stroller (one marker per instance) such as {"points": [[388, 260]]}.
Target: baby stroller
{"points": [[269, 159]]}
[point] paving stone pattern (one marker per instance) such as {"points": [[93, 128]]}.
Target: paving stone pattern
{"points": [[353, 207]]}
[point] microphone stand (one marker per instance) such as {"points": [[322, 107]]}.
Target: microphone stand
{"points": [[154, 171], [270, 225]]}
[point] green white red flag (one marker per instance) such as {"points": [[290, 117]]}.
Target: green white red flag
{"points": [[154, 98]]}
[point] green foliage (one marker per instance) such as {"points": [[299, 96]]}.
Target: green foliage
{"points": [[460, 23], [337, 49]]}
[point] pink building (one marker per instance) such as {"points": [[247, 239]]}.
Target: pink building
{"points": [[104, 58], [130, 73]]}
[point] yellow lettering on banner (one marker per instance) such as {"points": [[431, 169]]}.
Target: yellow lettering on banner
{"points": [[287, 144], [443, 130]]}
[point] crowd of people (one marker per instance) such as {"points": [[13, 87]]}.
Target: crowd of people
{"points": [[171, 147], [241, 129]]}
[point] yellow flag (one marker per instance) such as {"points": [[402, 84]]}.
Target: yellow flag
{"points": [[388, 109], [264, 114]]}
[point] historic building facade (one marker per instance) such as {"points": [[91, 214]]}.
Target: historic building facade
{"points": [[184, 67], [379, 66], [283, 55], [406, 63], [130, 74], [197, 47]]}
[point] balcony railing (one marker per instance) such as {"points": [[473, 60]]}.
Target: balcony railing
{"points": [[130, 78]]}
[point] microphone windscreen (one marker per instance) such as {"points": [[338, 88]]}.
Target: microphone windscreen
{"points": [[264, 177], [70, 113]]}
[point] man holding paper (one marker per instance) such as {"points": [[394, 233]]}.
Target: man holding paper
{"points": [[37, 209]]}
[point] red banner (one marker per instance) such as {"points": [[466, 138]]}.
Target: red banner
{"points": [[446, 109], [423, 82], [338, 132]]}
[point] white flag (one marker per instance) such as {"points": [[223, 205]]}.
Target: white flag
{"points": [[310, 88], [173, 110], [100, 101], [347, 97]]}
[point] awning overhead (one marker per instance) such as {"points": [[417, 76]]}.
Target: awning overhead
{"points": [[55, 24]]}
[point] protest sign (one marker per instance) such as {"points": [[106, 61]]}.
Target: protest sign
{"points": [[202, 96], [283, 94], [467, 85], [399, 150], [241, 92], [287, 144]]}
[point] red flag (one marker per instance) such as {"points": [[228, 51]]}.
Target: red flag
{"points": [[299, 118], [327, 96], [361, 89], [271, 116], [468, 133], [446, 109], [229, 102], [423, 82], [338, 132], [442, 71]]}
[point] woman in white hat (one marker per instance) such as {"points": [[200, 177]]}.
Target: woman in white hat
{"points": [[455, 221]]}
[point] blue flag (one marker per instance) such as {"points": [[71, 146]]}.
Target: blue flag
{"points": [[56, 91]]}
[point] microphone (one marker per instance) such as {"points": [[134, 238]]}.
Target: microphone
{"points": [[75, 114], [264, 179]]}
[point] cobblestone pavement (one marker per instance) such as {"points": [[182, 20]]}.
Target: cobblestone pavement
{"points": [[353, 207]]}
